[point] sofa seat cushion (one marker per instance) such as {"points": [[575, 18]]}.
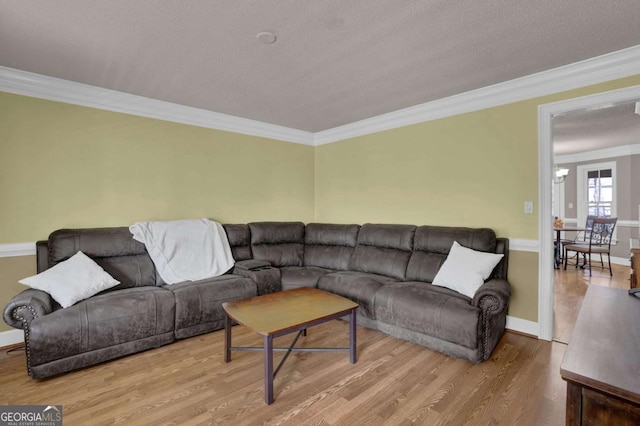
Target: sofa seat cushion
{"points": [[105, 320], [301, 276], [199, 303], [431, 310], [360, 287]]}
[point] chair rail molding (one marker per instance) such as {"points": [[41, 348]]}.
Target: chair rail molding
{"points": [[546, 112], [29, 249], [17, 249], [620, 223], [517, 244]]}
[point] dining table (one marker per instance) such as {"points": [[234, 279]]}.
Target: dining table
{"points": [[558, 230]]}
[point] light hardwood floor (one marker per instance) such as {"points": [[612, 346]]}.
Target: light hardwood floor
{"points": [[569, 288], [394, 382]]}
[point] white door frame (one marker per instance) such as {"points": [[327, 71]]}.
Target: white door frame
{"points": [[546, 113]]}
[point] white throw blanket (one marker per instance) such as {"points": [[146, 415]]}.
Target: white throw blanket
{"points": [[185, 250]]}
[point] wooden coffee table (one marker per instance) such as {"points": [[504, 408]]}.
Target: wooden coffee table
{"points": [[277, 314]]}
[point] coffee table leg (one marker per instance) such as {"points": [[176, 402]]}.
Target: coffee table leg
{"points": [[227, 338], [352, 337], [268, 369]]}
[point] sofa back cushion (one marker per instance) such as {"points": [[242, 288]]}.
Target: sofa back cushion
{"points": [[329, 245], [239, 238], [383, 250], [432, 244], [114, 249], [281, 243]]}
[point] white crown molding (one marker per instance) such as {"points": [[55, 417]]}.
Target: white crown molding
{"points": [[523, 326], [599, 154], [17, 249], [622, 63], [607, 67], [56, 89], [11, 337]]}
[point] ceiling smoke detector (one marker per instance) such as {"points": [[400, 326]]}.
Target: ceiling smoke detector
{"points": [[266, 37]]}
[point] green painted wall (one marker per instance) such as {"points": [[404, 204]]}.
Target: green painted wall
{"points": [[63, 165], [475, 169], [68, 166], [13, 269]]}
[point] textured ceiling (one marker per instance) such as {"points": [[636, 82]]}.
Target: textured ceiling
{"points": [[334, 62], [591, 130]]}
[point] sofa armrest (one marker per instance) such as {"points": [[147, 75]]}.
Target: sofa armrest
{"points": [[27, 306], [493, 300], [252, 265], [493, 296]]}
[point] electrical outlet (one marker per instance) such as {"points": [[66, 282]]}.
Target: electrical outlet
{"points": [[570, 205], [528, 207]]}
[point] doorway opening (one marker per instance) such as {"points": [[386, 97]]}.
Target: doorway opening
{"points": [[547, 161]]}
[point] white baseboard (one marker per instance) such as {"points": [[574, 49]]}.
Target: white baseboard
{"points": [[615, 260], [523, 326], [11, 337]]}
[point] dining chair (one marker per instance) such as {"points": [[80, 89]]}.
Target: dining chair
{"points": [[582, 237], [599, 242]]}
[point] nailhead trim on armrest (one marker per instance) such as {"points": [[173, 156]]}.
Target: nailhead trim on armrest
{"points": [[25, 327], [493, 305]]}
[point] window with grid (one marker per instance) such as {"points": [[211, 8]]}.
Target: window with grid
{"points": [[596, 191], [600, 193]]}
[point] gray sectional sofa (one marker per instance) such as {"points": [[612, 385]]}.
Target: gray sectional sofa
{"points": [[386, 269]]}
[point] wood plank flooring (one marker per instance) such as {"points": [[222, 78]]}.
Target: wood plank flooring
{"points": [[394, 382], [569, 288]]}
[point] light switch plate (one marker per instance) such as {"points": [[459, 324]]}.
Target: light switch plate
{"points": [[528, 207]]}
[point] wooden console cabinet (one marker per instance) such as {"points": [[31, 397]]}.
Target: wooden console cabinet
{"points": [[602, 363], [635, 267]]}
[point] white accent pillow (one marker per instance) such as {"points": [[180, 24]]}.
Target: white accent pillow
{"points": [[73, 280], [465, 270]]}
